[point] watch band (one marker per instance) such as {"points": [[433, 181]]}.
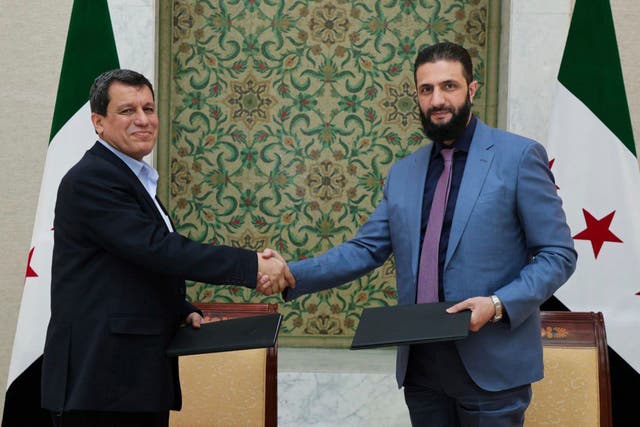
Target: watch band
{"points": [[498, 306]]}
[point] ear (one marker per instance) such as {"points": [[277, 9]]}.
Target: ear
{"points": [[473, 87], [97, 119]]}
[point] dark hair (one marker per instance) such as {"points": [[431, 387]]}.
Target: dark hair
{"points": [[99, 92], [445, 51]]}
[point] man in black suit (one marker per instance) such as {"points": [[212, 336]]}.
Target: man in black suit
{"points": [[118, 272]]}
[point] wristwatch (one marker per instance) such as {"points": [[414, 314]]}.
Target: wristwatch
{"points": [[498, 306]]}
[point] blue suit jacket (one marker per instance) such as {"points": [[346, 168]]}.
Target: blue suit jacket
{"points": [[509, 237]]}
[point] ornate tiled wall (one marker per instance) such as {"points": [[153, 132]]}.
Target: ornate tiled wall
{"points": [[281, 120]]}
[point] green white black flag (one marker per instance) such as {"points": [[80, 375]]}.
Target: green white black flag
{"points": [[593, 158]]}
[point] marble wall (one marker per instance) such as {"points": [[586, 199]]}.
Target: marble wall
{"points": [[134, 30], [339, 387], [533, 37]]}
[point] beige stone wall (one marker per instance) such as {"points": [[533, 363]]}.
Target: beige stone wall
{"points": [[31, 47]]}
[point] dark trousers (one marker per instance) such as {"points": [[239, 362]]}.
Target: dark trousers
{"points": [[110, 419], [439, 393]]}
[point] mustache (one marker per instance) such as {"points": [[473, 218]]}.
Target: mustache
{"points": [[448, 109]]}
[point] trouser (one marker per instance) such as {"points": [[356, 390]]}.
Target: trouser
{"points": [[110, 419], [439, 392]]}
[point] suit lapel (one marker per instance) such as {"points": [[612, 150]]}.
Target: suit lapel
{"points": [[475, 171], [149, 205], [415, 182]]}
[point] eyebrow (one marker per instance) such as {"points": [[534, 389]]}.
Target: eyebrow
{"points": [[444, 82], [130, 105]]}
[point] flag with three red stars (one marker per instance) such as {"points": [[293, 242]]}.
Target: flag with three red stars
{"points": [[90, 50], [593, 158]]}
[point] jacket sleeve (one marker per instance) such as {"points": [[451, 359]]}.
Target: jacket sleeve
{"points": [[548, 238], [111, 214]]}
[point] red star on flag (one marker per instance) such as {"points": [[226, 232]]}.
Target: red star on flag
{"points": [[30, 271], [597, 231], [551, 162]]}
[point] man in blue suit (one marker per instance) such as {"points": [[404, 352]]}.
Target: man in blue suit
{"points": [[504, 249]]}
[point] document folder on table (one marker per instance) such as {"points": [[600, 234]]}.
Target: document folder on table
{"points": [[410, 324], [226, 335]]}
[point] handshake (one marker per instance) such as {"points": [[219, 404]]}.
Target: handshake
{"points": [[274, 275]]}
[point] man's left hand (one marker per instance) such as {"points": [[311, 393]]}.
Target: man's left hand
{"points": [[194, 319], [482, 310]]}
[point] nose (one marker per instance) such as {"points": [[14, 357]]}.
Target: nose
{"points": [[140, 118], [437, 97]]}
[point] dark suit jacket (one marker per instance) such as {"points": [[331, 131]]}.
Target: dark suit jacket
{"points": [[118, 292]]}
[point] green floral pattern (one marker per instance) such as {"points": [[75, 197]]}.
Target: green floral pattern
{"points": [[285, 117]]}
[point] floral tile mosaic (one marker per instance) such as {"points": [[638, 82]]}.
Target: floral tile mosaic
{"points": [[282, 119]]}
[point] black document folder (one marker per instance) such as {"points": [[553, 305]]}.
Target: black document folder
{"points": [[410, 324], [234, 334]]}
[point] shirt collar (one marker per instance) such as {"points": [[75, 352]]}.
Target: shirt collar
{"points": [[463, 142], [138, 167]]}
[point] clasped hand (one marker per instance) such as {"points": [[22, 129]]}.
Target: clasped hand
{"points": [[273, 273]]}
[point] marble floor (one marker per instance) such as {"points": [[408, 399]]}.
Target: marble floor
{"points": [[339, 388]]}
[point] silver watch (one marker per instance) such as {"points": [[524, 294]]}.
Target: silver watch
{"points": [[498, 306]]}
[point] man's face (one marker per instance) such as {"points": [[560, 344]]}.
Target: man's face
{"points": [[444, 98], [131, 122]]}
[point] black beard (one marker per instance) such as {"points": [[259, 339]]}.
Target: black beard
{"points": [[447, 131]]}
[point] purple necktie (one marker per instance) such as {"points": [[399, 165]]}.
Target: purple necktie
{"points": [[428, 273]]}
